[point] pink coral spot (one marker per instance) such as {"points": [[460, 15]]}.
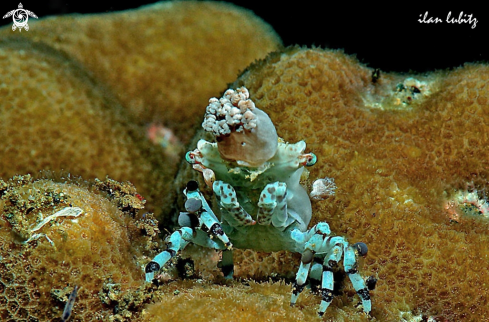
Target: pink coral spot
{"points": [[164, 137]]}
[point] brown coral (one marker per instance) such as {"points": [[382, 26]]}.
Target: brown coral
{"points": [[250, 301], [160, 60], [397, 148], [393, 150], [55, 116], [99, 246]]}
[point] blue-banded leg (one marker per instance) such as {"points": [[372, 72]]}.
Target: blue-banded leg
{"points": [[272, 206], [228, 202]]}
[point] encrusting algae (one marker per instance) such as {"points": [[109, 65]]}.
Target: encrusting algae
{"points": [[400, 148], [98, 247]]}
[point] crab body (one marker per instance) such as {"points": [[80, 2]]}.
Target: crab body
{"points": [[270, 199], [261, 204]]}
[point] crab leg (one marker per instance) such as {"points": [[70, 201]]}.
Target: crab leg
{"points": [[301, 277], [350, 264], [227, 199], [197, 206], [317, 243], [227, 264], [273, 205], [182, 237], [327, 281], [199, 215], [176, 242], [314, 242]]}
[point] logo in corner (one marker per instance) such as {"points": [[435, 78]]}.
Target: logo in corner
{"points": [[20, 17]]}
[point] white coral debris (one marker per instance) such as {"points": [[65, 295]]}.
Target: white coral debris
{"points": [[323, 188], [65, 212]]}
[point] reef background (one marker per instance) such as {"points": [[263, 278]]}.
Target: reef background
{"points": [[389, 39]]}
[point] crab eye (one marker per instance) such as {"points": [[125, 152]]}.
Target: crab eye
{"points": [[189, 157], [361, 248], [311, 160], [192, 185]]}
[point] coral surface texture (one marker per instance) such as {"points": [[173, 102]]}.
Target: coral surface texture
{"points": [[86, 100], [160, 60], [401, 148]]}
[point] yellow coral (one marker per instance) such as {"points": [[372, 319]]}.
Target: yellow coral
{"points": [[250, 301], [392, 166], [86, 251], [55, 116], [397, 148], [160, 60]]}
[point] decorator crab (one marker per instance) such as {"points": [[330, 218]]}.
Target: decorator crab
{"points": [[262, 206]]}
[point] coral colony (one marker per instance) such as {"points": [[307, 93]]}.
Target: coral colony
{"points": [[407, 151], [250, 163]]}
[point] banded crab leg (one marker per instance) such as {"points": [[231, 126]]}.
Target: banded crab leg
{"points": [[334, 248], [273, 205], [313, 239], [226, 195], [197, 222], [176, 242], [327, 280], [350, 264]]}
